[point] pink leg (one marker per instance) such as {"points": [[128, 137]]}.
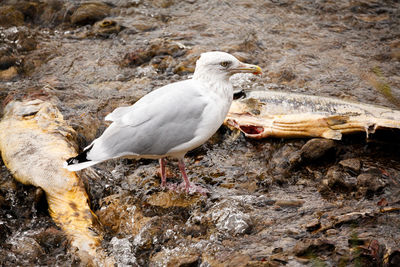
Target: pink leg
{"points": [[162, 169], [183, 171]]}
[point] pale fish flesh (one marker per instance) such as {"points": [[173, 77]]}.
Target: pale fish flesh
{"points": [[34, 142], [277, 114]]}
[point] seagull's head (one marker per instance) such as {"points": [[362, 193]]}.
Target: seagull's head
{"points": [[222, 65]]}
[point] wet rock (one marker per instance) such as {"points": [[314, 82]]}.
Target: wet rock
{"points": [[313, 225], [137, 58], [282, 162], [228, 259], [290, 203], [172, 199], [106, 28], [151, 233], [162, 3], [353, 164], [4, 231], [371, 252], [3, 201], [230, 219], [7, 61], [89, 13], [316, 148], [51, 13], [8, 74], [369, 183], [157, 47], [312, 248], [340, 181], [194, 230], [394, 259], [164, 64], [116, 215], [286, 76], [179, 256], [352, 217], [26, 246], [52, 238], [122, 251], [9, 16]]}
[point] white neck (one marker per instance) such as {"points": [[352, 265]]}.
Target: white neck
{"points": [[219, 84]]}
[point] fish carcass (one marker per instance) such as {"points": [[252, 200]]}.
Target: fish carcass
{"points": [[278, 114], [34, 143]]}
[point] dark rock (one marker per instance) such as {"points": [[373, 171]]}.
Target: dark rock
{"points": [[7, 61], [369, 183], [106, 27], [52, 238], [394, 259], [52, 13], [286, 76], [8, 74], [340, 181], [351, 164], [311, 248], [89, 13], [160, 52], [9, 16], [316, 148], [4, 232], [26, 246], [313, 225], [183, 257], [195, 230]]}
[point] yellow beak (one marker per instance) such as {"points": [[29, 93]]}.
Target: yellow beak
{"points": [[247, 68]]}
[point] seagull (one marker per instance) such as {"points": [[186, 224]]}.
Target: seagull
{"points": [[171, 120]]}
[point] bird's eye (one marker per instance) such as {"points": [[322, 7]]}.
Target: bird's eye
{"points": [[225, 64]]}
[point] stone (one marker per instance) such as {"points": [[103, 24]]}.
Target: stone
{"points": [[106, 27], [369, 183], [351, 164], [394, 259], [172, 199], [179, 256], [51, 238], [316, 148], [340, 181], [7, 61], [26, 246], [290, 203], [89, 13], [8, 74], [311, 248], [9, 16], [313, 225]]}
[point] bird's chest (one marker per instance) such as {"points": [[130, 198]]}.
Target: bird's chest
{"points": [[217, 108]]}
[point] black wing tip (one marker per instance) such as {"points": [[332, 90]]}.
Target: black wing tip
{"points": [[80, 158], [71, 161]]}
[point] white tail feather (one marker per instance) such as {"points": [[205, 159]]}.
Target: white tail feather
{"points": [[79, 166]]}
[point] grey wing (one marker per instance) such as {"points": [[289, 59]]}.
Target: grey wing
{"points": [[164, 124]]}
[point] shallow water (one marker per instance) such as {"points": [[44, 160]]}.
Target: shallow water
{"points": [[262, 199]]}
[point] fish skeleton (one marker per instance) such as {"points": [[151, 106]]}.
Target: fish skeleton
{"points": [[278, 114], [34, 143]]}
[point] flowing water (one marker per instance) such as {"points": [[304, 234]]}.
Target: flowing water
{"points": [[269, 204]]}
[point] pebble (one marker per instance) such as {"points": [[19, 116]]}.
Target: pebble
{"points": [[9, 16], [351, 164], [316, 148], [8, 74], [88, 13], [290, 203]]}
